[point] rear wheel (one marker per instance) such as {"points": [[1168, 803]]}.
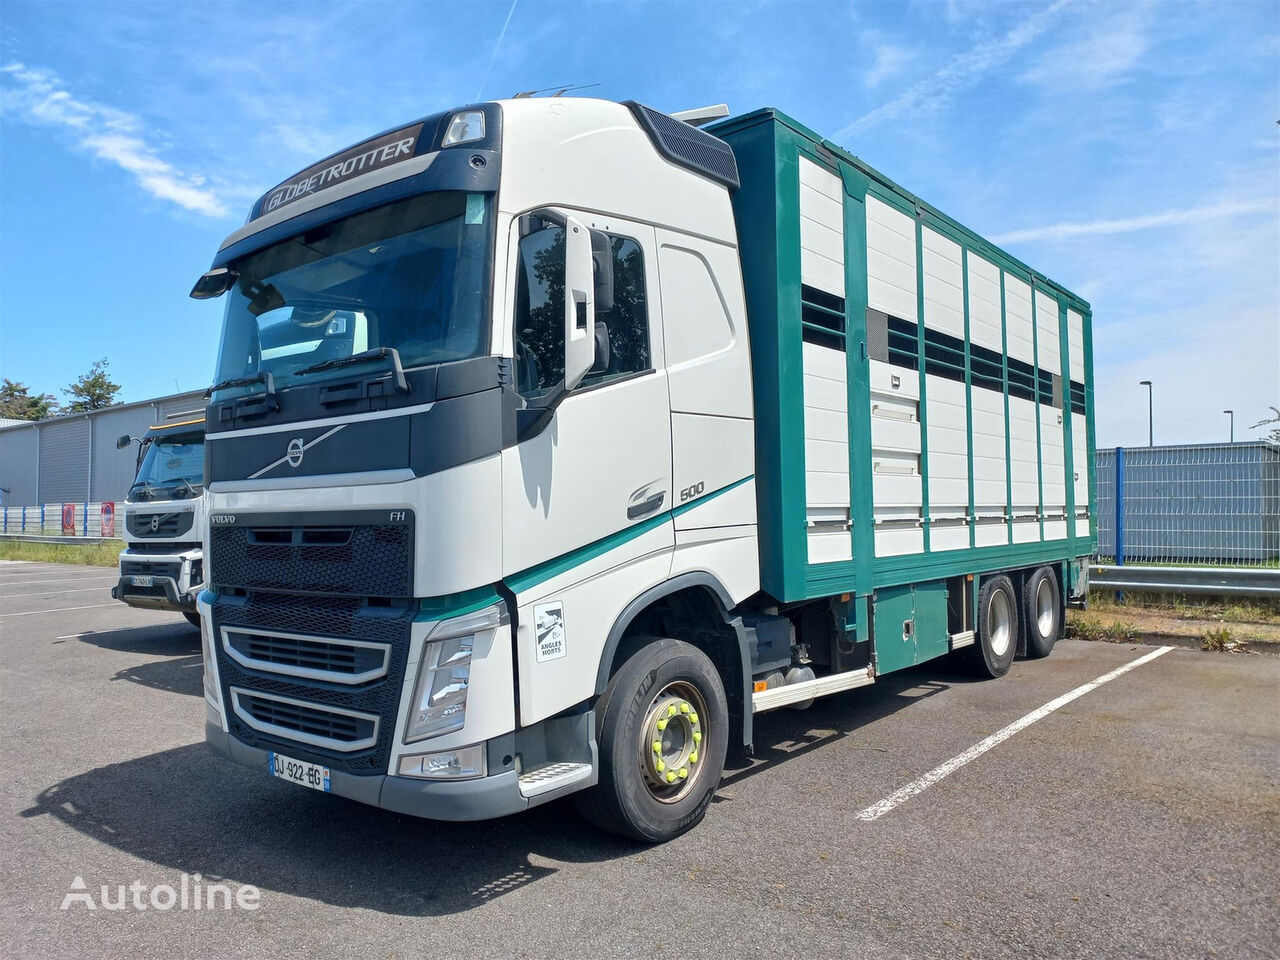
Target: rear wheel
{"points": [[1042, 612], [193, 618], [663, 731], [993, 654]]}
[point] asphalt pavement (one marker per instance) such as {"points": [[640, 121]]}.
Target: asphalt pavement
{"points": [[1140, 819]]}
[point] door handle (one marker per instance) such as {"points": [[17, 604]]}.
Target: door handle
{"points": [[637, 510]]}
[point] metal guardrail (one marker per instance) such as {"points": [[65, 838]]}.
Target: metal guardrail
{"points": [[1215, 581]]}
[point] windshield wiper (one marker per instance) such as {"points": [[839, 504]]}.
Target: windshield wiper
{"points": [[267, 400], [377, 353]]}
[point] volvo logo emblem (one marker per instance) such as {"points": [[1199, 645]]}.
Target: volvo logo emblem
{"points": [[155, 522], [295, 451]]}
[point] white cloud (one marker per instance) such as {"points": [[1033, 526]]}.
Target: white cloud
{"points": [[890, 60], [961, 70], [1112, 43], [38, 97], [1063, 231]]}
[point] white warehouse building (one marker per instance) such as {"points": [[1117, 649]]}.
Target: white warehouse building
{"points": [[73, 458]]}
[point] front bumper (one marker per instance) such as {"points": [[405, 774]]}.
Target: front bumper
{"points": [[499, 794], [174, 579]]}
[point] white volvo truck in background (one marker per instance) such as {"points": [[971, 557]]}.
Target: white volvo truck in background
{"points": [[553, 440], [162, 564]]}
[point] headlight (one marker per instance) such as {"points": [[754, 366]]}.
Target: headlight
{"points": [[464, 127], [464, 764], [440, 695]]}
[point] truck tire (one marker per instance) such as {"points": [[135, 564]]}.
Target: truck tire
{"points": [[193, 618], [997, 642], [1041, 612], [663, 729]]}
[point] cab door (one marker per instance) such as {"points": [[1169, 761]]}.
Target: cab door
{"points": [[586, 494]]}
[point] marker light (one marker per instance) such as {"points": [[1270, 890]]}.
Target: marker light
{"points": [[464, 127]]}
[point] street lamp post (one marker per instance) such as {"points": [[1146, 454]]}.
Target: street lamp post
{"points": [[1150, 431], [1232, 415]]}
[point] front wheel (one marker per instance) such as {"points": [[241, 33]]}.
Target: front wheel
{"points": [[663, 733]]}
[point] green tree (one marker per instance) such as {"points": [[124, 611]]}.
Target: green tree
{"points": [[17, 403], [1274, 423], [93, 390]]}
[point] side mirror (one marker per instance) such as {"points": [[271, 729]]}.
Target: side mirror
{"points": [[214, 283], [602, 254], [579, 303], [124, 442], [604, 356]]}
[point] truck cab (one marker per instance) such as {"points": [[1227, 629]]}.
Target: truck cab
{"points": [[162, 565]]}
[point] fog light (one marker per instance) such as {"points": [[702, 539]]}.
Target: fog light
{"points": [[464, 764]]}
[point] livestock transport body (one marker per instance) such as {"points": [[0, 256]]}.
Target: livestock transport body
{"points": [[555, 439]]}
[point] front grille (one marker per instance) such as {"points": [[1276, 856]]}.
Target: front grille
{"points": [[344, 661], [160, 524], [145, 568], [308, 722], [361, 559], [317, 616]]}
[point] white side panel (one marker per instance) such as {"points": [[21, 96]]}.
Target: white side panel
{"points": [[948, 436], [1017, 314], [1025, 470], [943, 284], [1075, 344], [990, 480], [895, 459], [1079, 454], [593, 593], [891, 260], [826, 454], [985, 328], [705, 327], [1047, 333], [821, 228], [730, 554], [711, 453], [1053, 462]]}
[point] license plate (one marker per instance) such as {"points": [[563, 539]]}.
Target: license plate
{"points": [[144, 581], [304, 774]]}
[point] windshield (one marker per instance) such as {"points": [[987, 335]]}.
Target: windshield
{"points": [[412, 275], [172, 469]]}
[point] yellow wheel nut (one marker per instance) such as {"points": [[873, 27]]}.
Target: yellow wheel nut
{"points": [[684, 772], [693, 718], [671, 777], [684, 708], [657, 746], [671, 710], [662, 725], [693, 757], [697, 737], [661, 766]]}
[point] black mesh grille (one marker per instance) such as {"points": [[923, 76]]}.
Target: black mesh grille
{"points": [[160, 524], [362, 560], [307, 720], [689, 146], [323, 616], [145, 568], [331, 656]]}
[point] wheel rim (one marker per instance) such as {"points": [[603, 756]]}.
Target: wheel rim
{"points": [[1046, 609], [999, 623], [672, 735]]}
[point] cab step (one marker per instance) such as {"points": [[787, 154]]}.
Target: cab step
{"points": [[552, 776]]}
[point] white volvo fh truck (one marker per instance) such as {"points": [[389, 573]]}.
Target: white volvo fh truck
{"points": [[555, 440], [162, 564]]}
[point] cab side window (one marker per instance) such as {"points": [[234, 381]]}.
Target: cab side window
{"points": [[539, 314]]}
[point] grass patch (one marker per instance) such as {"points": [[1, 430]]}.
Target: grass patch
{"points": [[1114, 632], [1221, 640], [1224, 610], [105, 554]]}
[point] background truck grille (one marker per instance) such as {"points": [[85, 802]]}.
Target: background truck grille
{"points": [[146, 568], [166, 524], [347, 617], [352, 559], [307, 720]]}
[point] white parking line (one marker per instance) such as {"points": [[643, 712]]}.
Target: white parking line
{"points": [[50, 593], [29, 613], [17, 583], [878, 810]]}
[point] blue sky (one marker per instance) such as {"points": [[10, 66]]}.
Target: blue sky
{"points": [[1128, 150]]}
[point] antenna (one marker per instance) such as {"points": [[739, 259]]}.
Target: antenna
{"points": [[560, 89], [700, 115]]}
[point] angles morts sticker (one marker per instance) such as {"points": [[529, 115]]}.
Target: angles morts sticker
{"points": [[548, 627]]}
